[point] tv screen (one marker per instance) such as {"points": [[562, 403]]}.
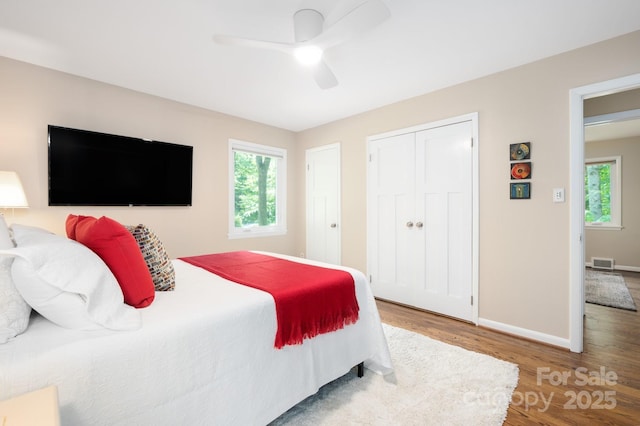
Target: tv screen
{"points": [[97, 169]]}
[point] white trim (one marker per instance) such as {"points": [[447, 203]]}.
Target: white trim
{"points": [[626, 268], [618, 267], [526, 333], [473, 117], [598, 226], [257, 233], [271, 151], [576, 161], [476, 217], [420, 127], [281, 197], [614, 117]]}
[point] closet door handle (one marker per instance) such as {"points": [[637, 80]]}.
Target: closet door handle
{"points": [[419, 225], [409, 224], [334, 225]]}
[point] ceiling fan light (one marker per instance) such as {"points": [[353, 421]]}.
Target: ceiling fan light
{"points": [[308, 55]]}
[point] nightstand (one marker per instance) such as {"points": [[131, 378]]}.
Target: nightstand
{"points": [[34, 408]]}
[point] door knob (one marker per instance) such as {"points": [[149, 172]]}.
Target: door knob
{"points": [[334, 225], [419, 225], [409, 224]]}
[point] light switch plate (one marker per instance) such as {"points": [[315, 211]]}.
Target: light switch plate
{"points": [[558, 195]]}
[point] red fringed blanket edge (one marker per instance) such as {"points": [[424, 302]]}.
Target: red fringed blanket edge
{"points": [[310, 300]]}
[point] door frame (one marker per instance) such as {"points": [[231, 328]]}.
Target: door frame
{"points": [[576, 226], [475, 191], [337, 147]]}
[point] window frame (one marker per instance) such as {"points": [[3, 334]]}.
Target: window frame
{"points": [[615, 193], [279, 154]]}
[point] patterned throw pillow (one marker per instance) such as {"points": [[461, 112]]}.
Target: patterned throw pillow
{"points": [[158, 261]]}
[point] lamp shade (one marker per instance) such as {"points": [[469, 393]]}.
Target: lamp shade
{"points": [[11, 192]]}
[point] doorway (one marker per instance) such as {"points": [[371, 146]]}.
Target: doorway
{"points": [[576, 234]]}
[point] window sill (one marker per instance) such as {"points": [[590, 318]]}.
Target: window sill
{"points": [[604, 227], [256, 234]]}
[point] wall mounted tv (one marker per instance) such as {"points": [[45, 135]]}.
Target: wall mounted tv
{"points": [[97, 169]]}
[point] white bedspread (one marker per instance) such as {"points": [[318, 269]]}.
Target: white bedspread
{"points": [[205, 355]]}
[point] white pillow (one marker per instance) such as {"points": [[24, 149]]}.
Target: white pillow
{"points": [[67, 283], [5, 237], [14, 311]]}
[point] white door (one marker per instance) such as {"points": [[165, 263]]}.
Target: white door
{"points": [[323, 203], [421, 216], [444, 202], [391, 206]]}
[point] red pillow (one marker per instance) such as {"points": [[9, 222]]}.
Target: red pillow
{"points": [[70, 225], [119, 250]]}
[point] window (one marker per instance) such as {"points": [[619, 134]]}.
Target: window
{"points": [[602, 195], [257, 194]]}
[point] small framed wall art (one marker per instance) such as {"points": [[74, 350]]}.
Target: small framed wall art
{"points": [[520, 151], [520, 191], [521, 170]]}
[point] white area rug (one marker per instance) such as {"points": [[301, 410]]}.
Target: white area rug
{"points": [[607, 289], [433, 384]]}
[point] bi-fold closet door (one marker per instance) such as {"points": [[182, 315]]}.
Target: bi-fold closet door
{"points": [[419, 210]]}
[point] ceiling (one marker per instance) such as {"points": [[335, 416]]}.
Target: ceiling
{"points": [[165, 48]]}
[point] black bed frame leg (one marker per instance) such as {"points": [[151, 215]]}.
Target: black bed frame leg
{"points": [[361, 369]]}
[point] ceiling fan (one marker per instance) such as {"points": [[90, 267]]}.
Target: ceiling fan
{"points": [[312, 40]]}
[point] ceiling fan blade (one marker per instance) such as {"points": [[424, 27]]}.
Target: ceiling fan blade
{"points": [[362, 18], [258, 44], [324, 76]]}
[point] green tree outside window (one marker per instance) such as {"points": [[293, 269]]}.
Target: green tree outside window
{"points": [[597, 195], [603, 192], [255, 189]]}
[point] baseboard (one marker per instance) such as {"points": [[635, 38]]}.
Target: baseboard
{"points": [[626, 268], [619, 267], [525, 333]]}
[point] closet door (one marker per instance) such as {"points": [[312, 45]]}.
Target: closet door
{"points": [[444, 207], [420, 232], [391, 206]]}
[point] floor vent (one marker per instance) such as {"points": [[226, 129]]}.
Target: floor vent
{"points": [[602, 263]]}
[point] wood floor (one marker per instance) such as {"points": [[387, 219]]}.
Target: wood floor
{"points": [[600, 386]]}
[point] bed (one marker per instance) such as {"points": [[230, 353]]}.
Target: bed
{"points": [[204, 355]]}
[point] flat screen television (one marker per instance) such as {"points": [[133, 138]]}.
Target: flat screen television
{"points": [[98, 169]]}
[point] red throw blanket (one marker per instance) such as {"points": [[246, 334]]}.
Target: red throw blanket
{"points": [[310, 300]]}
